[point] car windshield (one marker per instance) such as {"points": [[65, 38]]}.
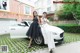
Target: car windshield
{"points": [[15, 23], [29, 23], [25, 23]]}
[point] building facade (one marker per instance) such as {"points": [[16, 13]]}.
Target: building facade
{"points": [[47, 6], [15, 10]]}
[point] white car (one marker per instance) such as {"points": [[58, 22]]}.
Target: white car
{"points": [[19, 30]]}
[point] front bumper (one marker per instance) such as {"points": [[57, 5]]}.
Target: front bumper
{"points": [[59, 41]]}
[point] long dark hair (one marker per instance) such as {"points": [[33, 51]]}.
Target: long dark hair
{"points": [[34, 12]]}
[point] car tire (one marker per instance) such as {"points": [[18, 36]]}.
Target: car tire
{"points": [[39, 40]]}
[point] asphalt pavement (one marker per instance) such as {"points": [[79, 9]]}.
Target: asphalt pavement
{"points": [[65, 48]]}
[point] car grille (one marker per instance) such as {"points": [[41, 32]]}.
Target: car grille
{"points": [[61, 35]]}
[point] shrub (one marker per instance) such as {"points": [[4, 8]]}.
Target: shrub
{"points": [[50, 18], [66, 16], [71, 29]]}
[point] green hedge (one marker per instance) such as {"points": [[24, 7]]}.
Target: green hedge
{"points": [[71, 29], [50, 18]]}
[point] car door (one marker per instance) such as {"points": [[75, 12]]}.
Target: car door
{"points": [[18, 31]]}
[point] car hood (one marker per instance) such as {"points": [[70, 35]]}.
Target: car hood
{"points": [[57, 29]]}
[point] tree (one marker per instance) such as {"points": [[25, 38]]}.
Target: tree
{"points": [[73, 7]]}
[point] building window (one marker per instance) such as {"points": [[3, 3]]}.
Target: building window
{"points": [[27, 9], [3, 4], [49, 9]]}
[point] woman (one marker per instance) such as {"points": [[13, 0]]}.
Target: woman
{"points": [[47, 29], [4, 3], [34, 30]]}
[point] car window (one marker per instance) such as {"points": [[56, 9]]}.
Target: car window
{"points": [[21, 24], [25, 23], [14, 24], [29, 23]]}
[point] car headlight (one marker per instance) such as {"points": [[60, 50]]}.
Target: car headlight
{"points": [[54, 33]]}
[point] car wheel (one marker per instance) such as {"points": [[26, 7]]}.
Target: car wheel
{"points": [[39, 40]]}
